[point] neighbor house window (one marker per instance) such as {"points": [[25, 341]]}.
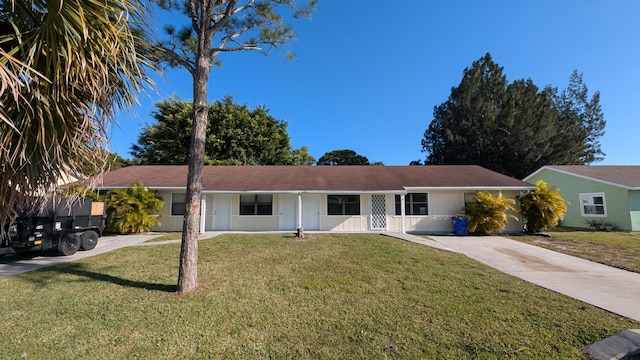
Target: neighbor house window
{"points": [[343, 204], [414, 204], [256, 204], [178, 201], [593, 204]]}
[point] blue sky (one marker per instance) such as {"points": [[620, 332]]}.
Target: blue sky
{"points": [[368, 73]]}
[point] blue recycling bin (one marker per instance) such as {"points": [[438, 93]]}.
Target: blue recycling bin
{"points": [[460, 225]]}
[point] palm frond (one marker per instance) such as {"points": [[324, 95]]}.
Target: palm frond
{"points": [[66, 67]]}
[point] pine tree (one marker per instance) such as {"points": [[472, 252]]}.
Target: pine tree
{"points": [[514, 128]]}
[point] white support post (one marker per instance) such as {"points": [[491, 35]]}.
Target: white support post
{"points": [[299, 212], [402, 214], [203, 212]]}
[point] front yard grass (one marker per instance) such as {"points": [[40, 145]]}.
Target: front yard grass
{"points": [[330, 296], [614, 248]]}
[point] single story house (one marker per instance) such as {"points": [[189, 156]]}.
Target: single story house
{"points": [[324, 198], [600, 193]]}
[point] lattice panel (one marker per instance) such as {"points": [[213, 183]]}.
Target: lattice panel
{"points": [[378, 212]]}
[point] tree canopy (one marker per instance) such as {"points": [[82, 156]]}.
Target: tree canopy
{"points": [[514, 128], [64, 68], [342, 157], [236, 135]]}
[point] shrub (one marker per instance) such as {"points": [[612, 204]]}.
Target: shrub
{"points": [[132, 210], [489, 214], [542, 207]]}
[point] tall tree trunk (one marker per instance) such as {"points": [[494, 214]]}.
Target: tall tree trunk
{"points": [[188, 272]]}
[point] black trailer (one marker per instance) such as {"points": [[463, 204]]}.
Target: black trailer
{"points": [[62, 225]]}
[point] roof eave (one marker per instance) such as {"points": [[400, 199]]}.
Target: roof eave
{"points": [[469, 188], [590, 178]]}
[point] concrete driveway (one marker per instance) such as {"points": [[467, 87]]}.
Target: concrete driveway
{"points": [[13, 264], [612, 289]]}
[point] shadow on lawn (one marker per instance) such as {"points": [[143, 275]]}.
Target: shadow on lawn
{"points": [[78, 270]]}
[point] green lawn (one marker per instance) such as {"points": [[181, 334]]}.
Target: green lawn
{"points": [[331, 296], [614, 248]]}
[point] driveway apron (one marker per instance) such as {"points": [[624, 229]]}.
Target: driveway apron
{"points": [[609, 288]]}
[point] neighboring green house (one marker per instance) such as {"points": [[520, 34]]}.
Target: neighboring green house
{"points": [[602, 193]]}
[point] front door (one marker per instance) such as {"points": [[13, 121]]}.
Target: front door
{"points": [[311, 211], [287, 218], [221, 211], [378, 212]]}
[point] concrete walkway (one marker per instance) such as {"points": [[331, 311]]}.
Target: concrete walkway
{"points": [[612, 289], [14, 264]]}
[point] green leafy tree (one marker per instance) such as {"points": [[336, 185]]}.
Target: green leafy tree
{"points": [[78, 190], [489, 214], [301, 156], [214, 27], [236, 135], [342, 157], [513, 128], [542, 207], [65, 67], [132, 210]]}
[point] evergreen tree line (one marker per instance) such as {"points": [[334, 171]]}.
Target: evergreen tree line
{"points": [[514, 128]]}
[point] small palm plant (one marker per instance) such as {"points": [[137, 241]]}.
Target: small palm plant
{"points": [[489, 214], [132, 210], [542, 207]]}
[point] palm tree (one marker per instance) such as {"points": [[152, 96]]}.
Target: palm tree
{"points": [[489, 214], [132, 210], [65, 67], [542, 207]]}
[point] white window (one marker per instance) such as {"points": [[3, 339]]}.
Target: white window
{"points": [[343, 204], [593, 204], [256, 204], [178, 201], [414, 204], [469, 198]]}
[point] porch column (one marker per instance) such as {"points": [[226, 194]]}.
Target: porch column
{"points": [[299, 212], [203, 213], [402, 214]]}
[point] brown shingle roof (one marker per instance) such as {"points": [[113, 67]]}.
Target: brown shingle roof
{"points": [[315, 178], [624, 175]]}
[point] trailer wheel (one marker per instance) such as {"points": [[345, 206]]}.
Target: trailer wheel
{"points": [[68, 245], [88, 240]]}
